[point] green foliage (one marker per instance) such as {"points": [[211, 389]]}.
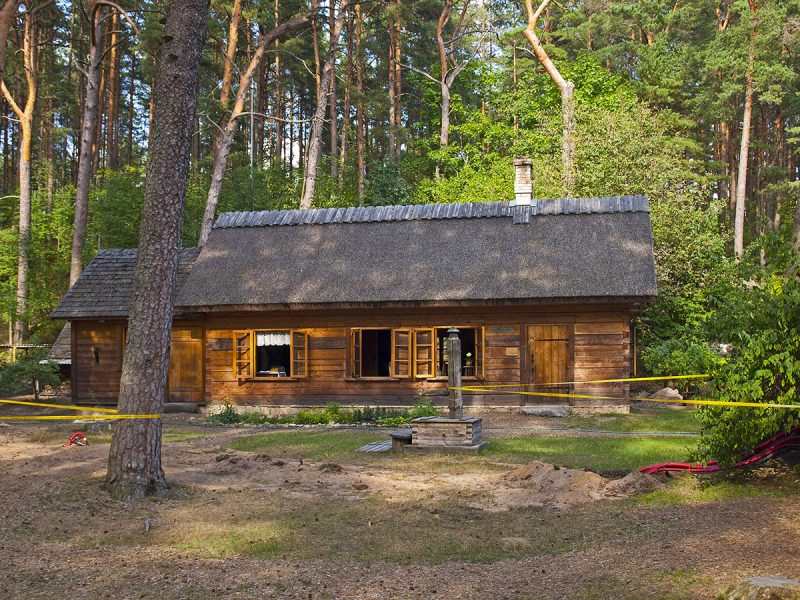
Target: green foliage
{"points": [[680, 356], [331, 414], [19, 376], [763, 323], [385, 185]]}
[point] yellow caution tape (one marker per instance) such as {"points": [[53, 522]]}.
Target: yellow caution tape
{"points": [[76, 417], [563, 383], [699, 401], [64, 406]]}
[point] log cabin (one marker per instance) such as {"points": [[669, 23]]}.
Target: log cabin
{"points": [[352, 305]]}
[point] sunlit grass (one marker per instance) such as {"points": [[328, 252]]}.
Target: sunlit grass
{"points": [[640, 419], [593, 452], [683, 489]]}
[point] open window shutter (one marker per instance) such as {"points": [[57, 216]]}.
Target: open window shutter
{"points": [[401, 353], [423, 353], [355, 357], [242, 355], [299, 354], [479, 351]]}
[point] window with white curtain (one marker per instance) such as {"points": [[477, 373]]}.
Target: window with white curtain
{"points": [[273, 353]]}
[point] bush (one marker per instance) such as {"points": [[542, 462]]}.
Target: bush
{"points": [[680, 356], [332, 413], [20, 376], [763, 323], [227, 415]]}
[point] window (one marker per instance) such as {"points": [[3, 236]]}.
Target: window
{"points": [[270, 354], [371, 352], [273, 352], [471, 351], [412, 353]]}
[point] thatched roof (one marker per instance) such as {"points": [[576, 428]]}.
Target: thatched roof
{"points": [[576, 250], [104, 288]]}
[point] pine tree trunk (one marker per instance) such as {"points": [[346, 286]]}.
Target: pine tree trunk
{"points": [[8, 15], [567, 89], [86, 155], [360, 116], [224, 140], [334, 131], [278, 105], [398, 82], [346, 103], [25, 115], [744, 150], [318, 120], [24, 241], [134, 463], [392, 90], [113, 94], [230, 55]]}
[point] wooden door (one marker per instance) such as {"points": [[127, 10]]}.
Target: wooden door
{"points": [[185, 383], [550, 358]]}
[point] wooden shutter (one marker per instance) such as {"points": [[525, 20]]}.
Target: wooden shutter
{"points": [[479, 352], [299, 350], [423, 353], [401, 353], [243, 355], [355, 356]]}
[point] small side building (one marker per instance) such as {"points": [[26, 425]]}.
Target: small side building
{"points": [[306, 307]]}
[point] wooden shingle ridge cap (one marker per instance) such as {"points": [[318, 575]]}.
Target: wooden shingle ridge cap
{"points": [[419, 212]]}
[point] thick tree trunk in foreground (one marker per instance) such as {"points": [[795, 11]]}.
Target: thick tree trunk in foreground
{"points": [[224, 140], [134, 462], [318, 120], [567, 89], [88, 129]]}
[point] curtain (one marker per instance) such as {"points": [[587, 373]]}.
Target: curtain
{"points": [[273, 338]]}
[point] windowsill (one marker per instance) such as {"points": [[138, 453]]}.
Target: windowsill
{"points": [[271, 379], [372, 379], [463, 378]]}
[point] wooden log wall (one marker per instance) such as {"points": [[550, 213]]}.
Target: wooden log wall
{"points": [[96, 361], [600, 350]]}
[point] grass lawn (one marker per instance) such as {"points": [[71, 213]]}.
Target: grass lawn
{"points": [[601, 454], [597, 453], [640, 419]]}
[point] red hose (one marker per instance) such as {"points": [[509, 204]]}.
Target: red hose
{"points": [[765, 450]]}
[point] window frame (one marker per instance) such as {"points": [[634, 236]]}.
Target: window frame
{"points": [[251, 371], [350, 373], [353, 372], [480, 348]]}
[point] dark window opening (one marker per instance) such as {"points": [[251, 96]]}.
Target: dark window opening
{"points": [[376, 352], [273, 354], [468, 355]]}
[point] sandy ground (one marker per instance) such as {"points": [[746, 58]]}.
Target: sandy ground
{"points": [[61, 534]]}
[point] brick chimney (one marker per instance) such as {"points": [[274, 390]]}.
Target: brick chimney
{"points": [[523, 181]]}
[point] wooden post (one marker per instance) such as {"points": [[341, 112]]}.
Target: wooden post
{"points": [[455, 403], [11, 339]]}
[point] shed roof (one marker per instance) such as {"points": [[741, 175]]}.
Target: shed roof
{"points": [[579, 248], [104, 288]]}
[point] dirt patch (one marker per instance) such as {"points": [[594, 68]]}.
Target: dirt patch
{"points": [[542, 484]]}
